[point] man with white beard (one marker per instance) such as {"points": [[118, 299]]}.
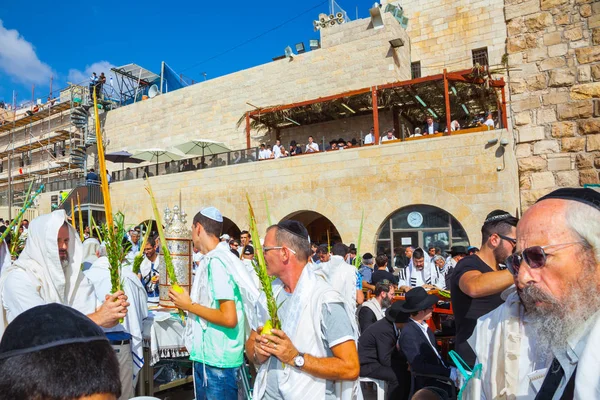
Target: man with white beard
{"points": [[558, 276], [555, 267]]}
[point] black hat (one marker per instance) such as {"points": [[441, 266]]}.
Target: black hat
{"points": [[456, 250], [395, 313], [352, 246], [341, 140], [499, 215], [294, 227], [417, 299], [248, 250], [583, 195], [56, 325], [367, 256], [293, 143]]}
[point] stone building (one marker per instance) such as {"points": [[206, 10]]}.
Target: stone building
{"points": [[418, 192]]}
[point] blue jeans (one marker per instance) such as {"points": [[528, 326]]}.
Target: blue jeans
{"points": [[221, 383]]}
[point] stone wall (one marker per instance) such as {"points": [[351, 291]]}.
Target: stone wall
{"points": [[554, 75], [444, 32], [456, 173], [211, 109]]}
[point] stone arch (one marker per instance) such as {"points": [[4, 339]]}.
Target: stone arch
{"points": [[230, 228], [317, 225]]}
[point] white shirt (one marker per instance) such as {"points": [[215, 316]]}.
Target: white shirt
{"points": [[430, 129], [312, 147], [276, 151], [263, 154], [369, 139], [386, 138], [490, 122]]}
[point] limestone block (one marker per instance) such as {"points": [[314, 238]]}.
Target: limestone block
{"points": [[558, 50], [551, 63], [562, 19], [515, 58], [545, 147], [574, 34], [596, 36], [580, 109], [548, 4], [597, 162], [531, 134], [593, 142], [536, 82], [596, 72], [515, 27], [567, 178], [546, 115], [594, 21], [524, 70], [585, 91], [572, 144], [522, 118], [523, 150], [552, 38], [531, 40], [584, 73], [562, 77], [525, 8], [527, 103], [559, 164], [532, 164], [525, 181], [542, 180], [589, 177], [553, 98], [596, 8], [516, 44], [589, 126], [537, 54], [517, 86], [588, 55], [584, 160], [563, 129], [585, 10]]}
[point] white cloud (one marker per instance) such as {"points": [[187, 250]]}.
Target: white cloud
{"points": [[82, 77], [19, 60]]}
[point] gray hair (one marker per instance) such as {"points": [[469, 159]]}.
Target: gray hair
{"points": [[580, 218], [295, 242], [438, 257], [102, 251]]}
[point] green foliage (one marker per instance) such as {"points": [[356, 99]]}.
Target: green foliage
{"points": [[116, 248]]}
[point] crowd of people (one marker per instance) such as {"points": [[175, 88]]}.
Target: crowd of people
{"points": [[525, 307]]}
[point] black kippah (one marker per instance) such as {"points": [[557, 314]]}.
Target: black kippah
{"points": [[294, 227], [497, 215], [47, 326], [582, 195]]}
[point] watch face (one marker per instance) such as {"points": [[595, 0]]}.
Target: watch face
{"points": [[415, 219], [299, 361]]}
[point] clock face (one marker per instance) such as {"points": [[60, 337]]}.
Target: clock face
{"points": [[415, 219]]}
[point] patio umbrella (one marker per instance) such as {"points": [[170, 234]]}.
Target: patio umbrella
{"points": [[159, 155], [202, 147], [122, 157]]}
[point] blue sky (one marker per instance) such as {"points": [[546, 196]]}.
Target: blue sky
{"points": [[68, 39]]}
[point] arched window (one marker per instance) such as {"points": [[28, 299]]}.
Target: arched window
{"points": [[420, 226]]}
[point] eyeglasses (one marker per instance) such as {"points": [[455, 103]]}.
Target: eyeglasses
{"points": [[534, 256], [268, 248], [508, 239]]}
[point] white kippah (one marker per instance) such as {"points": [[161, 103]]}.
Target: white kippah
{"points": [[212, 213]]}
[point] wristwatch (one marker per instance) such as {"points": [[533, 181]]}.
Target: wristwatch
{"points": [[299, 360]]}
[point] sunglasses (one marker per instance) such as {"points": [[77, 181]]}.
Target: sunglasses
{"points": [[268, 248], [507, 238], [534, 256]]}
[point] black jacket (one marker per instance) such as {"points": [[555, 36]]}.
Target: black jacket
{"points": [[377, 347], [421, 357], [436, 128], [366, 318]]}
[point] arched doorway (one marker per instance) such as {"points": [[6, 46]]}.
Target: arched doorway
{"points": [[420, 226], [230, 228], [317, 226]]}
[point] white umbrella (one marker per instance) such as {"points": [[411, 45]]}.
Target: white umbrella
{"points": [[158, 155], [202, 147]]}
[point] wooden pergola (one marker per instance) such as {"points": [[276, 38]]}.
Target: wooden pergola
{"points": [[473, 92]]}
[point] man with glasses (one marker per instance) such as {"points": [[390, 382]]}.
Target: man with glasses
{"points": [[373, 310], [478, 280], [316, 346]]}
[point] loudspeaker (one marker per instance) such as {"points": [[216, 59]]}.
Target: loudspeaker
{"points": [[153, 91]]}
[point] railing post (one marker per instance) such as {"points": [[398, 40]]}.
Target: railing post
{"points": [[248, 130], [447, 98], [375, 113], [504, 112]]}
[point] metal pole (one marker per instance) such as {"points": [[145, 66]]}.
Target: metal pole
{"points": [[447, 98], [375, 113], [504, 112], [247, 130], [162, 75]]}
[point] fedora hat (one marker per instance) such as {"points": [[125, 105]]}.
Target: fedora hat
{"points": [[395, 313], [456, 250], [417, 299]]}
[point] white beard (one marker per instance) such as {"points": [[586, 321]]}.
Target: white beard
{"points": [[65, 264]]}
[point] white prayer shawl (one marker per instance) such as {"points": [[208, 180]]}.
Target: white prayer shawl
{"points": [[5, 258], [496, 342], [305, 305], [426, 276], [342, 277], [146, 265], [41, 262], [90, 246], [374, 306], [137, 312]]}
